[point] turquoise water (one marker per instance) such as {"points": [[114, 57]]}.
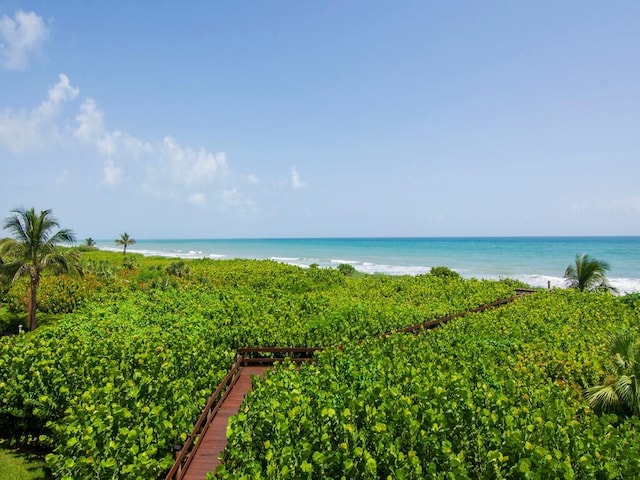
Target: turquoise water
{"points": [[538, 261]]}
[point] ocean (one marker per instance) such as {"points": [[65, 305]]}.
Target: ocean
{"points": [[537, 261]]}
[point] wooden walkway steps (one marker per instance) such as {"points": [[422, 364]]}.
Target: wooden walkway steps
{"points": [[199, 455], [214, 439]]}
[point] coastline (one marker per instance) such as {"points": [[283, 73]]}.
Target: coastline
{"points": [[536, 261]]}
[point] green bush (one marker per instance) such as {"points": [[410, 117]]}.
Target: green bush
{"points": [[347, 269], [632, 299], [56, 294], [9, 321], [111, 387], [444, 272], [178, 268], [492, 395]]}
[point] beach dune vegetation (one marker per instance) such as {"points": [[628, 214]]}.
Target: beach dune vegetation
{"points": [[347, 269], [109, 389], [125, 241], [619, 393], [35, 248], [587, 274], [445, 272]]}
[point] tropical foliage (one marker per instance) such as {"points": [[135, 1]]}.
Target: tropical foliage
{"points": [[33, 249], [125, 241], [493, 395], [587, 274], [620, 393], [114, 385]]}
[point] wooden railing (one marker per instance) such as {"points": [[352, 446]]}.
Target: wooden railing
{"points": [[430, 324], [184, 457], [244, 357], [268, 356]]}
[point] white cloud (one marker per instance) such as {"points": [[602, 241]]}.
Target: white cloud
{"points": [[90, 122], [58, 94], [197, 199], [253, 179], [233, 198], [191, 167], [112, 173], [164, 167], [34, 129], [296, 181], [91, 129], [20, 37]]}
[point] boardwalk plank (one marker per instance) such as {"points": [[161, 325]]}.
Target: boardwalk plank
{"points": [[215, 439]]}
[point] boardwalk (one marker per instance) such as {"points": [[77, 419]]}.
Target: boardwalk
{"points": [[205, 456], [196, 459]]}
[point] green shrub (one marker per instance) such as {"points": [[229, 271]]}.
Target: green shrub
{"points": [[632, 299], [347, 269], [9, 321], [110, 388], [178, 268], [444, 272], [492, 395], [129, 263]]}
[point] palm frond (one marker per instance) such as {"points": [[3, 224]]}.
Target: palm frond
{"points": [[587, 274], [603, 398], [34, 248], [16, 225], [623, 387], [62, 236], [621, 394], [63, 262]]}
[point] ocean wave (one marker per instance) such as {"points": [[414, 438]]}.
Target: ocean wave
{"points": [[191, 254], [624, 285], [540, 281], [392, 269]]}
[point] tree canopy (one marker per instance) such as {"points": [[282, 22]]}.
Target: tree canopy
{"points": [[33, 248], [587, 274], [125, 240]]}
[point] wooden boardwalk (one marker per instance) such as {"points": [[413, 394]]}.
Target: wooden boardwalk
{"points": [[199, 455], [214, 439]]}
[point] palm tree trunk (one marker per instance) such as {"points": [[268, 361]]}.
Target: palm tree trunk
{"points": [[33, 292]]}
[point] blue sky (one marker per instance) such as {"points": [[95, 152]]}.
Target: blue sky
{"points": [[318, 119]]}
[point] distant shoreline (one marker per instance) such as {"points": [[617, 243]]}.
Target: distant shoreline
{"points": [[536, 261]]}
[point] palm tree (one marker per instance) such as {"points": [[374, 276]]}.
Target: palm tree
{"points": [[34, 249], [89, 242], [621, 394], [587, 274], [125, 240]]}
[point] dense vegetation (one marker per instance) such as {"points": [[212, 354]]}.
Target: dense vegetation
{"points": [[492, 395], [119, 379]]}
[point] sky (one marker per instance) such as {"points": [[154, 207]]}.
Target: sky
{"points": [[289, 118]]}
